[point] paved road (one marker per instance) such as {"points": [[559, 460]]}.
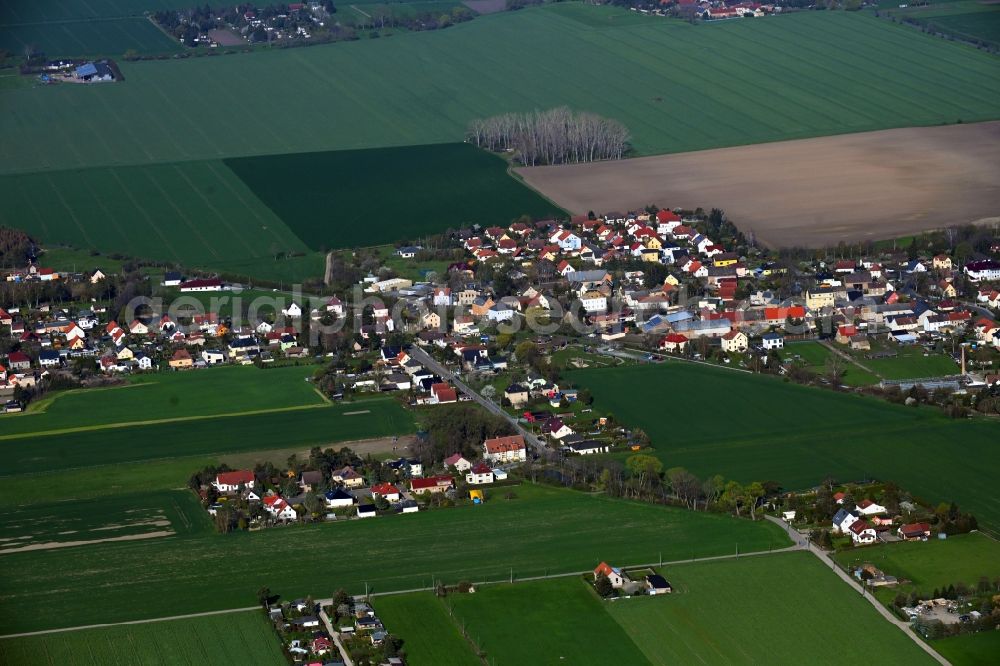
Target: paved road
{"points": [[429, 362], [822, 555], [335, 635]]}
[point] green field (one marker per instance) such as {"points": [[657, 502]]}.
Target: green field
{"points": [[319, 426], [101, 37], [751, 427], [326, 199], [169, 395], [933, 564], [429, 634], [814, 355], [769, 609], [233, 638], [198, 214], [909, 362], [543, 530], [813, 73], [973, 20], [778, 609], [970, 649], [546, 622], [62, 524]]}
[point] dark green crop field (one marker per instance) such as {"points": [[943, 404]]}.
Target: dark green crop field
{"points": [[305, 427], [750, 427], [369, 197], [785, 77], [198, 214], [542, 530], [233, 638], [102, 37]]}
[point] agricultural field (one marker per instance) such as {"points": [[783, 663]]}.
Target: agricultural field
{"points": [[100, 37], [964, 558], [545, 530], [244, 637], [780, 191], [977, 21], [749, 427], [329, 199], [430, 635], [746, 611], [814, 355], [814, 75], [198, 214], [565, 620], [732, 611], [146, 515], [970, 649], [168, 395], [305, 427]]}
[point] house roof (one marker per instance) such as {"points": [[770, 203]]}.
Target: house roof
{"points": [[505, 444], [431, 482], [482, 468], [385, 489], [234, 478], [453, 459]]}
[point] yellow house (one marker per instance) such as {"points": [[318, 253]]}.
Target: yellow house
{"points": [[653, 243], [651, 255], [181, 360], [948, 289], [672, 279], [125, 354], [942, 262], [820, 299], [430, 320], [721, 261]]}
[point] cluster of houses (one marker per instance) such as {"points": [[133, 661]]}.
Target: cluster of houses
{"points": [[345, 492], [868, 522]]}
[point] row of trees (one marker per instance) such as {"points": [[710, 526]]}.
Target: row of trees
{"points": [[555, 136]]}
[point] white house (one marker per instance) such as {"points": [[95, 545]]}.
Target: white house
{"points": [[843, 520], [862, 533], [594, 302], [479, 475], [773, 341], [500, 312], [735, 341], [366, 511], [336, 306], [505, 449], [987, 269], [213, 356], [144, 362], [458, 462], [293, 311], [566, 240], [230, 482], [279, 508], [338, 499], [870, 508], [442, 296], [613, 574]]}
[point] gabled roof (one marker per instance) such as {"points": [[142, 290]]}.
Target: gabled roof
{"points": [[505, 444], [234, 478]]}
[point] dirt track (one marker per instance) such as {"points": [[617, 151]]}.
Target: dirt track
{"points": [[810, 192]]}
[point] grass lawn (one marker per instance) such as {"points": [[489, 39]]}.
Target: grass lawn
{"points": [[774, 609], [965, 19], [56, 525], [970, 649], [197, 214], [430, 635], [319, 426], [170, 395], [326, 198], [543, 530], [79, 261], [751, 427], [544, 622], [932, 564], [237, 637], [814, 355], [909, 362], [814, 73]]}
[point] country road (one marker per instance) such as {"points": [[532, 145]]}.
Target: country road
{"points": [[429, 362]]}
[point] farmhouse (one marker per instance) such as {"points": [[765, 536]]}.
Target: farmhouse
{"points": [[613, 574], [914, 531], [230, 482], [505, 449]]}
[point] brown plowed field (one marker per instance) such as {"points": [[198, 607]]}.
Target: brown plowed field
{"points": [[812, 192]]}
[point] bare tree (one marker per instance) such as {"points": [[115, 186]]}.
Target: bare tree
{"points": [[556, 136]]}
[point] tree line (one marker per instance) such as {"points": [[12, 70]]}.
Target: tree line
{"points": [[555, 136]]}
